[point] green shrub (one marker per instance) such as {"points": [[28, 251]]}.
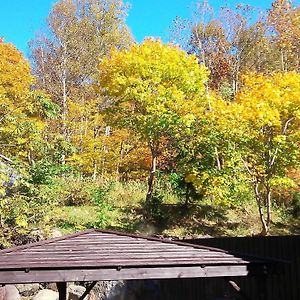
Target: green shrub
{"points": [[296, 204], [101, 198], [20, 214]]}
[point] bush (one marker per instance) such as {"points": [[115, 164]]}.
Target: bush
{"points": [[101, 198], [19, 215], [296, 204], [44, 172]]}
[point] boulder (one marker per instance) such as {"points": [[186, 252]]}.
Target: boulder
{"points": [[28, 289], [9, 292], [55, 233], [46, 295], [52, 286], [108, 290], [75, 291]]}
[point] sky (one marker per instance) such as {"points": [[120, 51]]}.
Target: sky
{"points": [[21, 19]]}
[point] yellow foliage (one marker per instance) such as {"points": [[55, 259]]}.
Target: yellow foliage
{"points": [[20, 121]]}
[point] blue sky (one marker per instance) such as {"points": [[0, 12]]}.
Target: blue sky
{"points": [[21, 19]]}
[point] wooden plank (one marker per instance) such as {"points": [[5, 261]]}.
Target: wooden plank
{"points": [[123, 258], [119, 274], [78, 264], [108, 248], [88, 290], [44, 242], [133, 250], [107, 255]]}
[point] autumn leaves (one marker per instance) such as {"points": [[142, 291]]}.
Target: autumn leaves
{"points": [[222, 117]]}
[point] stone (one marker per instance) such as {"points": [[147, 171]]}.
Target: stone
{"points": [[55, 233], [75, 291], [46, 295], [52, 286], [28, 289], [108, 290], [9, 292]]}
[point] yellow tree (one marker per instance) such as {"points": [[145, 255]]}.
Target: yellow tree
{"points": [[269, 109], [22, 112], [99, 148], [152, 90]]}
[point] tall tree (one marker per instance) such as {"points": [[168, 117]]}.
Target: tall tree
{"points": [[229, 43], [65, 56], [284, 20], [21, 111], [153, 90], [270, 110]]}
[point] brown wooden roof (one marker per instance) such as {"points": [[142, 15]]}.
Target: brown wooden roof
{"points": [[95, 255]]}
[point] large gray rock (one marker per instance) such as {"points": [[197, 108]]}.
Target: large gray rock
{"points": [[46, 295], [75, 291], [28, 289], [107, 290], [9, 292]]}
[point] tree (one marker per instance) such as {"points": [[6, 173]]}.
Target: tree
{"points": [[284, 20], [208, 158], [65, 56], [22, 112], [269, 111], [230, 43], [152, 90]]}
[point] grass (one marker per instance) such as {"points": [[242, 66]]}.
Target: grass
{"points": [[120, 206], [196, 221], [73, 218]]}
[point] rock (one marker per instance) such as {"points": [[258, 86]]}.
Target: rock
{"points": [[52, 286], [108, 290], [9, 292], [28, 289], [55, 233], [75, 291], [46, 295], [2, 293]]}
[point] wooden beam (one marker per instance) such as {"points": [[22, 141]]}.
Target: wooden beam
{"points": [[62, 290], [97, 274], [88, 290], [237, 289]]}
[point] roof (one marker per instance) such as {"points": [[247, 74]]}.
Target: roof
{"points": [[95, 255]]}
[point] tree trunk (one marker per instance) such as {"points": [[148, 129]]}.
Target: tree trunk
{"points": [[151, 175], [265, 225], [95, 171], [219, 165], [64, 101], [282, 60], [268, 203]]}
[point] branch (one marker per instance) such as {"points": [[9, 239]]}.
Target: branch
{"points": [[284, 130], [6, 158], [246, 166]]}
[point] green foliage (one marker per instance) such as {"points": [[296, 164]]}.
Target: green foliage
{"points": [[47, 108], [21, 213], [226, 91], [296, 204], [104, 206], [44, 172], [154, 208]]}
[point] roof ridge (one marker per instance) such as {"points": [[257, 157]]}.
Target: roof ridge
{"points": [[46, 241]]}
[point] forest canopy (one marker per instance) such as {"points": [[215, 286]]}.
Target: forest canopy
{"points": [[210, 119]]}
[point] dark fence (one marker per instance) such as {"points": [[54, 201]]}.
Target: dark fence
{"points": [[283, 285]]}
